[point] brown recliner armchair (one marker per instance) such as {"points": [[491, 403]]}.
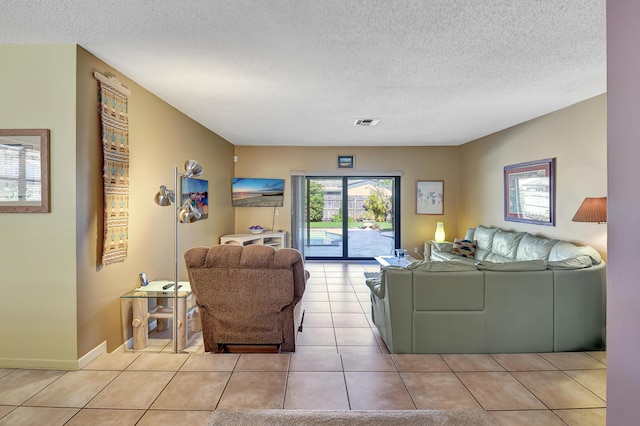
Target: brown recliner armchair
{"points": [[247, 295]]}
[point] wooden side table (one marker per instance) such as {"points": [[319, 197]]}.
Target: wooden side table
{"points": [[138, 300]]}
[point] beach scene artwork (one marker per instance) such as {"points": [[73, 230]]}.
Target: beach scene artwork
{"points": [[257, 192], [196, 192]]}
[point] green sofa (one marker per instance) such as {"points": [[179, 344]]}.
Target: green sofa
{"points": [[507, 306]]}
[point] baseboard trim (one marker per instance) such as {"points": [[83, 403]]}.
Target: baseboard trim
{"points": [[92, 354], [39, 364], [125, 347], [54, 364]]}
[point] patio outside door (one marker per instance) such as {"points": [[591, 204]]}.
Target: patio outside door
{"points": [[348, 217]]}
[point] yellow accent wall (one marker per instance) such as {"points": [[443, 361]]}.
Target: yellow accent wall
{"points": [[37, 250], [58, 304]]}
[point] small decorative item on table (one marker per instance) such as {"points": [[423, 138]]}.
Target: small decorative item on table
{"points": [[256, 229]]}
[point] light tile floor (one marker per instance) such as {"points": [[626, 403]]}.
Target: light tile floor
{"points": [[340, 363]]}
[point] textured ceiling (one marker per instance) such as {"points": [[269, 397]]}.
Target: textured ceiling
{"points": [[300, 72]]}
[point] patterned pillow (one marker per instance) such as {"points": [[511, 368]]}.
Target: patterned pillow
{"points": [[464, 248]]}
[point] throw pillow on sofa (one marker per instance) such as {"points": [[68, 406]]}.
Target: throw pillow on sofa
{"points": [[464, 248]]}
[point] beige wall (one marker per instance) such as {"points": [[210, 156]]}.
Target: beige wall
{"points": [[37, 250], [58, 304], [415, 163], [576, 136], [160, 139]]}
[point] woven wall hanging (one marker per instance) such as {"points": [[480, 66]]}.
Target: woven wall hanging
{"points": [[114, 118]]}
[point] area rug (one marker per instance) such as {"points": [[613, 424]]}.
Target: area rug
{"points": [[352, 418], [114, 118]]}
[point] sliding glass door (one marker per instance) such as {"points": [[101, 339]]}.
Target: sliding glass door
{"points": [[349, 217]]}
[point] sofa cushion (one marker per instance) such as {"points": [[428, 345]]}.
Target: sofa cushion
{"points": [[441, 291], [578, 262], [439, 256], [469, 234], [484, 238], [529, 265], [505, 246], [464, 248], [534, 248], [564, 250], [446, 266]]}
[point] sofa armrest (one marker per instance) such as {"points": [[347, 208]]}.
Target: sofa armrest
{"points": [[443, 247], [393, 312], [580, 308]]}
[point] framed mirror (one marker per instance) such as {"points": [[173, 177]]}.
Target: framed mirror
{"points": [[24, 171]]}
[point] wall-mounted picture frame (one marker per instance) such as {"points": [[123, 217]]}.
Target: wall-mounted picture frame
{"points": [[529, 192], [24, 171], [196, 191], [346, 161], [257, 192], [430, 197]]}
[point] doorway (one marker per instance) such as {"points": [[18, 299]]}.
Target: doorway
{"points": [[350, 217]]}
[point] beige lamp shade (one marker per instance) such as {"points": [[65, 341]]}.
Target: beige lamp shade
{"points": [[592, 209]]}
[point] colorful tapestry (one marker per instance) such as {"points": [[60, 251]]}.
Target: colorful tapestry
{"points": [[114, 115]]}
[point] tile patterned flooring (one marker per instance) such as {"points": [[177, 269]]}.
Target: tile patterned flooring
{"points": [[340, 363]]}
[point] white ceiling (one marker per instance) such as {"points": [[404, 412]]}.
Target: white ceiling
{"points": [[300, 72]]}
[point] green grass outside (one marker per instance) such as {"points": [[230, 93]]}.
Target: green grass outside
{"points": [[384, 226]]}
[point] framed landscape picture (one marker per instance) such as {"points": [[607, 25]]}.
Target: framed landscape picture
{"points": [[529, 192], [430, 197], [257, 192], [346, 161]]}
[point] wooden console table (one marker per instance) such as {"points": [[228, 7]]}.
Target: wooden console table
{"points": [[267, 238]]}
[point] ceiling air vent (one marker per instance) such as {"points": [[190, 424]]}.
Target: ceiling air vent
{"points": [[364, 122]]}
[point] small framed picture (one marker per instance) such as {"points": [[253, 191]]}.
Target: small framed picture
{"points": [[430, 197], [346, 161]]}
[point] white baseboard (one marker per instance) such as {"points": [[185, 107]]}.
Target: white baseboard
{"points": [[92, 354], [128, 344], [124, 347]]}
